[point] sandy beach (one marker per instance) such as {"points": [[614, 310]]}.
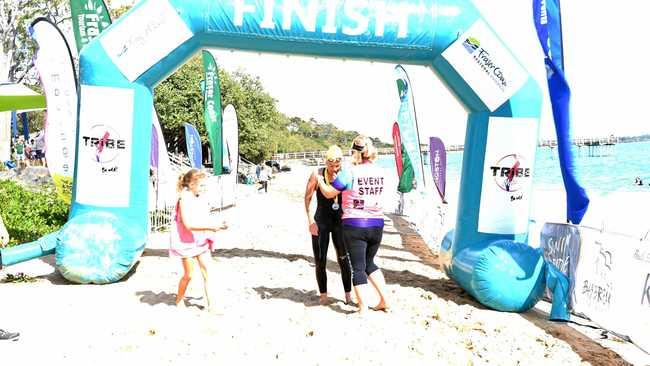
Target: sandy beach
{"points": [[269, 311]]}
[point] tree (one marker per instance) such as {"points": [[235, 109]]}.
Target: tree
{"points": [[15, 43]]}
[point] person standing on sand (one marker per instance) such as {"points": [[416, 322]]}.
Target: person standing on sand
{"points": [[264, 179], [326, 221], [193, 233], [363, 190]]}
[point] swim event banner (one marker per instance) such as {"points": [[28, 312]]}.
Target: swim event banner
{"points": [[53, 61], [408, 129], [438, 163], [613, 283], [89, 19], [212, 110], [546, 15], [193, 143]]}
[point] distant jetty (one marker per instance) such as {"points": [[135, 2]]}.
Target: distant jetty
{"points": [[587, 146]]}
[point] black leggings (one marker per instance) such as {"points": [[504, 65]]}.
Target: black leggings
{"points": [[320, 244], [362, 243]]}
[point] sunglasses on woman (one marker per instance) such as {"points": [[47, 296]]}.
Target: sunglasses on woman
{"points": [[337, 160]]}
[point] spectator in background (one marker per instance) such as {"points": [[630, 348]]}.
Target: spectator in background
{"points": [[264, 179], [19, 150]]}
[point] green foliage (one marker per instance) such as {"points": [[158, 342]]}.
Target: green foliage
{"points": [[263, 130], [30, 215], [15, 17]]}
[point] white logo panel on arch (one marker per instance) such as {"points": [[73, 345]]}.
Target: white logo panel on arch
{"points": [[143, 39], [487, 66], [105, 146], [507, 175]]}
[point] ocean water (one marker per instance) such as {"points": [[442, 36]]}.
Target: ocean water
{"points": [[609, 169]]}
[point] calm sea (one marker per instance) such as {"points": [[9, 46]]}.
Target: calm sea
{"points": [[606, 169]]}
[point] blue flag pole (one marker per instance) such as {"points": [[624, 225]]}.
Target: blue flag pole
{"points": [[547, 19]]}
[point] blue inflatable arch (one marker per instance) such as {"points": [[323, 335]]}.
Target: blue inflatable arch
{"points": [[107, 228]]}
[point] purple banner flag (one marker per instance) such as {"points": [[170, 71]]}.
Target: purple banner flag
{"points": [[154, 147], [438, 157]]}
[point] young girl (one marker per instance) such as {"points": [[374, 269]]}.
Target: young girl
{"points": [[193, 232]]}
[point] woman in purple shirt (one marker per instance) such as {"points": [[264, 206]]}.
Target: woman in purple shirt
{"points": [[362, 189]]}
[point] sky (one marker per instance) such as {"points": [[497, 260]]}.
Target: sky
{"points": [[604, 64]]}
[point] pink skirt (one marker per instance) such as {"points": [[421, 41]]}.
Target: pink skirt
{"points": [[186, 243]]}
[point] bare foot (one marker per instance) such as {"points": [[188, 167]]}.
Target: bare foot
{"points": [[348, 298], [180, 304], [323, 300], [382, 306]]}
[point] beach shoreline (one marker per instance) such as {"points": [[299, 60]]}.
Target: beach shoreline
{"points": [[267, 294]]}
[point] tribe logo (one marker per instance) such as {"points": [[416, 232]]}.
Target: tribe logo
{"points": [[510, 172], [471, 44], [104, 142], [402, 88]]}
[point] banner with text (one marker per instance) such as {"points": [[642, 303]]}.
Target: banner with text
{"points": [[89, 19], [53, 61], [193, 143], [212, 110], [408, 131]]}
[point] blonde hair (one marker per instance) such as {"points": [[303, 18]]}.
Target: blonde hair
{"points": [[368, 151], [334, 152], [191, 176]]}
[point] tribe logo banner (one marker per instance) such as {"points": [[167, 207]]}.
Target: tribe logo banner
{"points": [[507, 175], [105, 146], [511, 172]]}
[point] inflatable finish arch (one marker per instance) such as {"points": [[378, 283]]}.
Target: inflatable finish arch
{"points": [[107, 228]]}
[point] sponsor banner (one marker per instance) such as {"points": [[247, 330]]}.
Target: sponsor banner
{"points": [[53, 61], [194, 148], [105, 146], [438, 162], [560, 244], [613, 284], [150, 32], [212, 110], [89, 19], [486, 65], [507, 175], [230, 140], [408, 128]]}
